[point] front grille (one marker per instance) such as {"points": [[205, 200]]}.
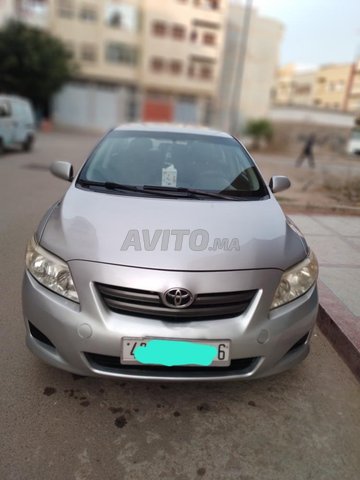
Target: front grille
{"points": [[113, 365], [149, 304]]}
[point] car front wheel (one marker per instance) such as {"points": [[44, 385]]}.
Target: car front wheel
{"points": [[28, 144]]}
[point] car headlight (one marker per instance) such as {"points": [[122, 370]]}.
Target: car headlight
{"points": [[50, 271], [296, 281]]}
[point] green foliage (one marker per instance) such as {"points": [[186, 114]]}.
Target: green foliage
{"points": [[33, 63], [261, 129]]}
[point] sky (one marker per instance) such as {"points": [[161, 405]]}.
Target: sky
{"points": [[316, 31]]}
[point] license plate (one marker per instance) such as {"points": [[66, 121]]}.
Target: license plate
{"points": [[221, 348]]}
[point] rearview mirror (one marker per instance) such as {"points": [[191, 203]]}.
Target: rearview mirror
{"points": [[279, 183], [63, 170]]}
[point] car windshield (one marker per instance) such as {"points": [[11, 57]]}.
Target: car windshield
{"points": [[355, 135], [172, 162]]}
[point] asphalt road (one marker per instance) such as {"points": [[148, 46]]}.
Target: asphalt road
{"points": [[303, 424]]}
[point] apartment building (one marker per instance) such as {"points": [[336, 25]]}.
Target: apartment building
{"points": [[260, 66], [332, 86], [294, 86], [7, 8], [138, 59], [182, 56], [329, 87]]}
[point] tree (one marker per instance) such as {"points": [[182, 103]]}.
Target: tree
{"points": [[260, 130], [33, 64]]}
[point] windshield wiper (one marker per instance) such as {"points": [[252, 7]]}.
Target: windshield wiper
{"points": [[120, 186], [189, 191], [156, 190], [109, 185]]}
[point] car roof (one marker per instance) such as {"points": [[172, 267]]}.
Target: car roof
{"points": [[172, 128], [4, 96]]}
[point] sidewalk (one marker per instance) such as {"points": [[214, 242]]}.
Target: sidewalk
{"points": [[336, 242]]}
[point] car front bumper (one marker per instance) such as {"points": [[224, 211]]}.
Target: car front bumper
{"points": [[86, 339]]}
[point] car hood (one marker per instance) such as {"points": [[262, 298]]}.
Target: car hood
{"points": [[133, 231]]}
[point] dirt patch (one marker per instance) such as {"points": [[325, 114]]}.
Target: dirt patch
{"points": [[333, 186]]}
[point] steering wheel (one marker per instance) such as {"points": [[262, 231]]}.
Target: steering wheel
{"points": [[221, 181]]}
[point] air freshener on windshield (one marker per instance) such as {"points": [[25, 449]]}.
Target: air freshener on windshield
{"points": [[169, 176]]}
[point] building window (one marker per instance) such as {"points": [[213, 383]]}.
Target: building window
{"points": [[191, 71], [213, 4], [175, 67], [115, 20], [210, 4], [159, 29], [65, 8], [88, 14], [157, 64], [206, 72], [88, 53], [121, 53], [209, 39], [123, 16], [178, 32]]}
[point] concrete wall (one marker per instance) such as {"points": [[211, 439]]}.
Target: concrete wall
{"points": [[292, 125], [312, 116]]}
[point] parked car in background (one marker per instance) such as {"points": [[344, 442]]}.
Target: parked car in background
{"points": [[169, 258], [17, 123], [353, 145]]}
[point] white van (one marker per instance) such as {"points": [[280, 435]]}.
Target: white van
{"points": [[17, 123], [353, 145]]}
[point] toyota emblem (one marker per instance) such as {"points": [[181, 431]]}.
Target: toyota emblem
{"points": [[178, 298]]}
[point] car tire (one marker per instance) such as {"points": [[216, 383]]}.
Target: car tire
{"points": [[2, 149], [28, 144]]}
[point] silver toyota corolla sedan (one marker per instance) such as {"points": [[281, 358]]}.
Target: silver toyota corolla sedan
{"points": [[169, 258]]}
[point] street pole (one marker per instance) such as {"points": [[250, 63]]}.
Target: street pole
{"points": [[238, 71]]}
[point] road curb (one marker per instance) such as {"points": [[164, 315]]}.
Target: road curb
{"points": [[341, 327]]}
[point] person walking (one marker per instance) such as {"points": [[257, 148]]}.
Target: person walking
{"points": [[307, 152]]}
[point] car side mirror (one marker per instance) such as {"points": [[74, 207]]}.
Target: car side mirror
{"points": [[279, 183], [63, 170]]}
